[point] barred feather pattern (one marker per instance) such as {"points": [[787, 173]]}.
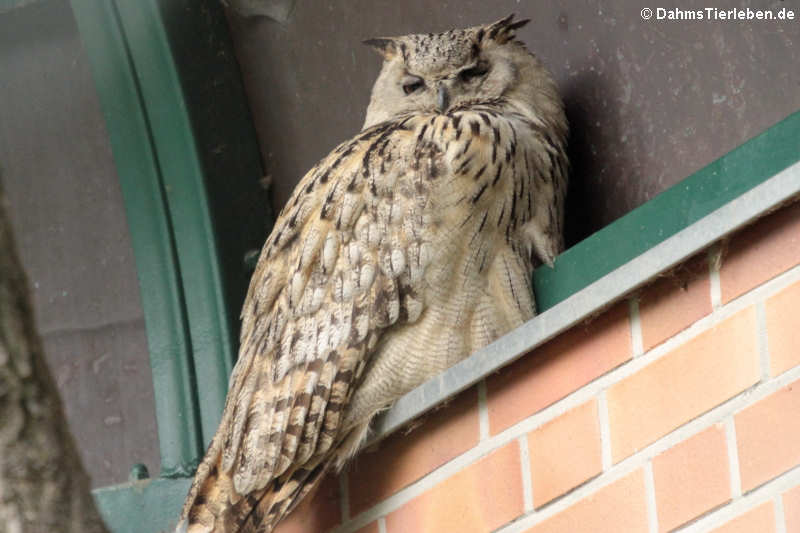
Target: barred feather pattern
{"points": [[403, 251]]}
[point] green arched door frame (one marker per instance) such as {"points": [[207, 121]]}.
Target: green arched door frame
{"points": [[158, 66]]}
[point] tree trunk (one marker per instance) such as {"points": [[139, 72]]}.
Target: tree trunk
{"points": [[43, 487]]}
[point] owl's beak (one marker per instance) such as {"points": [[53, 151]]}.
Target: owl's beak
{"points": [[442, 98]]}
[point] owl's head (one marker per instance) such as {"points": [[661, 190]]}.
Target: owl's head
{"points": [[438, 72]]}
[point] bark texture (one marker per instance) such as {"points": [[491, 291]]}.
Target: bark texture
{"points": [[43, 486]]}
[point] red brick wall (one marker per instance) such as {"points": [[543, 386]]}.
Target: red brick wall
{"points": [[676, 409]]}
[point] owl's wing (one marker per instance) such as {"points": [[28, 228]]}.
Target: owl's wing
{"points": [[342, 264]]}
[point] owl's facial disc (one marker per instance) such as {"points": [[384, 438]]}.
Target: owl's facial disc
{"points": [[443, 71]]}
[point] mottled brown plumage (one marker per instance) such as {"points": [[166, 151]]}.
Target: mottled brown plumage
{"points": [[403, 251]]}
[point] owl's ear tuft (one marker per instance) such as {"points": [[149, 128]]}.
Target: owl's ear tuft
{"points": [[501, 31], [385, 47]]}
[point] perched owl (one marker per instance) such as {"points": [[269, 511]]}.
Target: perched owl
{"points": [[407, 248]]}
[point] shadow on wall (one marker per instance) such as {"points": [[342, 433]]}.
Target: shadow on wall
{"points": [[578, 223], [589, 154]]}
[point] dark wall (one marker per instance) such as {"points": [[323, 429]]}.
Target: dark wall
{"points": [[70, 225], [649, 101]]}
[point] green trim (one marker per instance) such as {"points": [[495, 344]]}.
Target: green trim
{"points": [[184, 190], [671, 211], [142, 506], [189, 167], [150, 225]]}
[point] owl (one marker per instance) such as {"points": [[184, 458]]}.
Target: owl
{"points": [[407, 248]]}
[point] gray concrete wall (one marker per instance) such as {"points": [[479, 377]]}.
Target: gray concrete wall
{"points": [[71, 230]]}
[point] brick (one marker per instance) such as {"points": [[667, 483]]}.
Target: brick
{"points": [[783, 330], [767, 436], [675, 301], [620, 506], [480, 498], [319, 512], [574, 435], [693, 378], [405, 457], [760, 252], [558, 368], [760, 519], [691, 478], [791, 509]]}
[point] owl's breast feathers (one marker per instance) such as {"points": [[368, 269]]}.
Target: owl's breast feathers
{"points": [[364, 255]]}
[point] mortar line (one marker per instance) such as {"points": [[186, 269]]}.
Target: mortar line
{"points": [[382, 524], [780, 514], [736, 508], [715, 284], [733, 458], [527, 479], [637, 342]]}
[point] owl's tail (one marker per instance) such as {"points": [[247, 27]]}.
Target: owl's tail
{"points": [[279, 498], [214, 507]]}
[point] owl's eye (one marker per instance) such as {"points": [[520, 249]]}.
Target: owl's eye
{"points": [[469, 74], [412, 84]]}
